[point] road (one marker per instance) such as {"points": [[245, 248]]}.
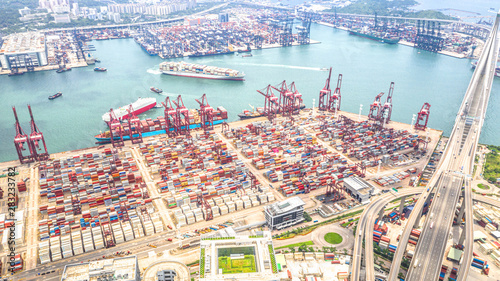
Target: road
{"points": [[453, 172], [365, 227]]}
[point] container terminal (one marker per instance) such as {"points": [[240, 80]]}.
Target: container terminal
{"points": [[108, 200]]}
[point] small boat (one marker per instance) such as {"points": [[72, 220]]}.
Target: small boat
{"points": [[97, 60], [64, 69], [246, 55], [16, 73], [324, 69], [156, 90], [55, 96], [100, 69]]}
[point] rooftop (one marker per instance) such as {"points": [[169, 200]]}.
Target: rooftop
{"points": [[285, 206], [23, 43], [455, 254], [121, 268], [357, 183]]}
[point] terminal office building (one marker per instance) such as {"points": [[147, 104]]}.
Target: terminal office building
{"points": [[284, 214]]}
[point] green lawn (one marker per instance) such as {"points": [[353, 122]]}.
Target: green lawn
{"points": [[333, 238], [307, 243], [244, 265], [482, 186]]}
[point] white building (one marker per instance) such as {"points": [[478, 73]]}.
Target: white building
{"points": [[20, 48], [285, 213], [24, 11], [359, 188], [61, 18], [116, 18], [124, 269]]}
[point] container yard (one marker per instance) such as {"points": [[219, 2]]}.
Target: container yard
{"points": [[209, 35], [457, 39], [93, 201]]}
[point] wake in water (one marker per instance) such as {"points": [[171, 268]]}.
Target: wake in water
{"points": [[154, 71], [284, 66]]}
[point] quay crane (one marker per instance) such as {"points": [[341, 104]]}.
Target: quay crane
{"points": [[115, 129], [423, 116], [324, 94], [35, 137], [206, 112], [271, 104], [334, 104], [170, 118], [19, 140], [375, 107], [384, 114], [182, 117], [134, 127]]}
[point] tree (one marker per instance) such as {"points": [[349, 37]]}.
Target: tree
{"points": [[310, 249], [334, 250], [345, 252], [292, 249], [307, 217]]}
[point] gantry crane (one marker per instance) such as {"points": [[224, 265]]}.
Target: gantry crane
{"points": [[35, 137], [170, 118], [375, 107], [134, 126], [271, 104], [115, 130], [324, 94], [423, 116], [206, 114], [334, 103], [384, 115], [182, 117], [19, 140]]}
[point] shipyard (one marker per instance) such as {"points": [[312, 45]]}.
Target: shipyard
{"points": [[207, 152]]}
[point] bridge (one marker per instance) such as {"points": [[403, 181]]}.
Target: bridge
{"points": [[452, 174]]}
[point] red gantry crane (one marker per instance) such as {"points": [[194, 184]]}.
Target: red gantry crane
{"points": [[134, 127], [271, 104], [375, 107], [206, 114], [324, 94], [35, 138], [170, 118], [384, 115], [334, 104], [182, 117], [423, 116], [115, 130], [286, 98], [19, 140]]}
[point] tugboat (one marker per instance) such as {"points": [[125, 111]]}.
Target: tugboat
{"points": [[156, 90], [55, 96], [100, 69], [16, 73], [63, 69]]}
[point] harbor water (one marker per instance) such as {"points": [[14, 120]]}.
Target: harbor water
{"points": [[368, 67]]}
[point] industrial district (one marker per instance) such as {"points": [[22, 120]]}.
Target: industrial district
{"points": [[285, 193]]}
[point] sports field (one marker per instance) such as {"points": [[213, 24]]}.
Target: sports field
{"points": [[231, 266]]}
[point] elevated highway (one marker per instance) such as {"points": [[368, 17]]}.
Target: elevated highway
{"points": [[453, 173]]}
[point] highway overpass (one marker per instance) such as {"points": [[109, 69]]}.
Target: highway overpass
{"points": [[453, 172]]}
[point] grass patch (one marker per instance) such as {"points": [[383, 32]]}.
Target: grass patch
{"points": [[273, 259], [482, 186], [333, 238], [345, 224], [492, 164], [307, 243], [243, 265]]}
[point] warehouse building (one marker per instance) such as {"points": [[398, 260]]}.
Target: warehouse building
{"points": [[284, 214], [359, 189], [22, 50], [124, 269]]}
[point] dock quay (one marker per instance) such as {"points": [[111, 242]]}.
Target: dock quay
{"points": [[84, 204]]}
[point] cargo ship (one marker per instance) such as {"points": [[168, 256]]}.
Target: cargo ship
{"points": [[247, 114], [497, 69], [55, 96], [153, 127], [139, 106], [200, 71], [156, 90], [375, 35], [63, 69], [210, 53], [100, 69]]}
